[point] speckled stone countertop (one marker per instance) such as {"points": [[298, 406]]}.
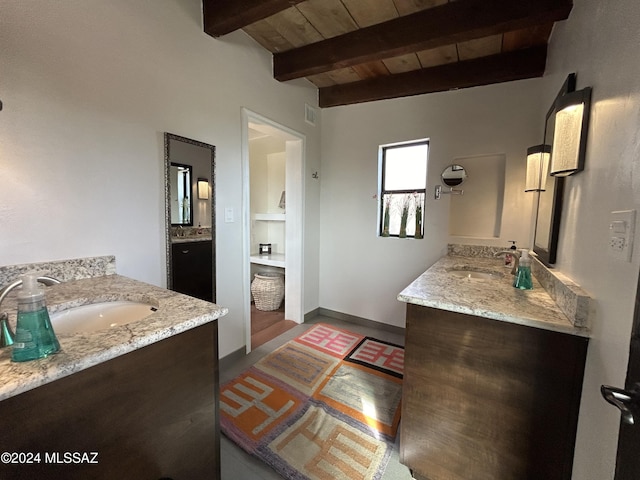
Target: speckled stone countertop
{"points": [[493, 298], [193, 238], [175, 313]]}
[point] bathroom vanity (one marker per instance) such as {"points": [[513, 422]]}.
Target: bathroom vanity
{"points": [[136, 401], [493, 376]]}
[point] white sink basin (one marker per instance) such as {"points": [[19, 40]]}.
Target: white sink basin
{"points": [[99, 316], [475, 274]]}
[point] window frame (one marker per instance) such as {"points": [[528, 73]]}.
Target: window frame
{"points": [[382, 157]]}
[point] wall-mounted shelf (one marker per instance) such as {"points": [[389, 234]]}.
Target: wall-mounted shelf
{"points": [[273, 260], [271, 217]]}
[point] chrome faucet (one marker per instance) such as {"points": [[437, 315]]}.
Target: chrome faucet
{"points": [[6, 335], [516, 258]]}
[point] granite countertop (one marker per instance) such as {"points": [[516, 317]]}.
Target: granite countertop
{"points": [[175, 313], [191, 238], [493, 298]]}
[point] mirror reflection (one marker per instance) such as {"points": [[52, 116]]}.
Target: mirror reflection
{"points": [[546, 199], [181, 198], [190, 216], [545, 243], [454, 175]]}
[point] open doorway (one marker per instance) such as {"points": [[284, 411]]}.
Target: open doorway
{"points": [[273, 160]]}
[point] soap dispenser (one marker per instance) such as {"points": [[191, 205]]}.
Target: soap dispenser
{"points": [[508, 258], [523, 279], [34, 337]]}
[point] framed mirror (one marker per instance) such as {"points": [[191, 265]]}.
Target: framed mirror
{"points": [[549, 210], [190, 216], [181, 194], [453, 175]]}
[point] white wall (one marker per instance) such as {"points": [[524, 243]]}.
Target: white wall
{"points": [[88, 89], [360, 273], [477, 211], [600, 43]]}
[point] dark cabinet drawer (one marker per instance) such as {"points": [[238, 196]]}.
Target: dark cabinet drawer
{"points": [[192, 269]]}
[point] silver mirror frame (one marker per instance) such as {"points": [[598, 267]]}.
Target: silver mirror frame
{"points": [[454, 180], [168, 137]]}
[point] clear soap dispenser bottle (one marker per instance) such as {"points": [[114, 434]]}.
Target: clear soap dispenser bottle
{"points": [[34, 337], [523, 279]]}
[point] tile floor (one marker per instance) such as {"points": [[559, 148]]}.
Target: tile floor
{"points": [[236, 464]]}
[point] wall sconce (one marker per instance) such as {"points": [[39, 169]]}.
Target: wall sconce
{"points": [[570, 133], [537, 168], [203, 188]]}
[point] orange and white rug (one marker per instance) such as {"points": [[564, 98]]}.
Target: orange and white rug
{"points": [[325, 405]]}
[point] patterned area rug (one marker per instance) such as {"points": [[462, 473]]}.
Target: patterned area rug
{"points": [[324, 406]]}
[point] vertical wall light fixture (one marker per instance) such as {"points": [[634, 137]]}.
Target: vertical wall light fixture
{"points": [[570, 134], [537, 168], [203, 188]]}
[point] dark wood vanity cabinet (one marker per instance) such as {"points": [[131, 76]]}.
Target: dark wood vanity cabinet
{"points": [[488, 400], [192, 264], [149, 414]]}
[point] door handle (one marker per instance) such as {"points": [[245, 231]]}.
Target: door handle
{"points": [[627, 401]]}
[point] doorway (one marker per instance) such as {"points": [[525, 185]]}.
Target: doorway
{"points": [[273, 197]]}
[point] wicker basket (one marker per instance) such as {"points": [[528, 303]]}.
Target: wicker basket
{"points": [[267, 289]]}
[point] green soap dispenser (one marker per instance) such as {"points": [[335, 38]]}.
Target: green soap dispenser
{"points": [[523, 279], [34, 337]]}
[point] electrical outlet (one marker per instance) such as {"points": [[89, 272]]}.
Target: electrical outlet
{"points": [[621, 232], [617, 244]]}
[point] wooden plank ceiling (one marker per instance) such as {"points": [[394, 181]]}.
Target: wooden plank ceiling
{"points": [[357, 51]]}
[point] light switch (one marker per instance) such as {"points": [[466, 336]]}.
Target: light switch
{"points": [[621, 232], [228, 215], [619, 226]]}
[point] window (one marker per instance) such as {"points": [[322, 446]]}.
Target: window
{"points": [[403, 184]]}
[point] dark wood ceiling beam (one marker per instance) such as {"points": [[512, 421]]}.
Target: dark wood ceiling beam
{"points": [[443, 25], [504, 67], [225, 16]]}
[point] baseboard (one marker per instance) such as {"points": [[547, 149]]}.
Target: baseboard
{"points": [[312, 314], [345, 317], [232, 358]]}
